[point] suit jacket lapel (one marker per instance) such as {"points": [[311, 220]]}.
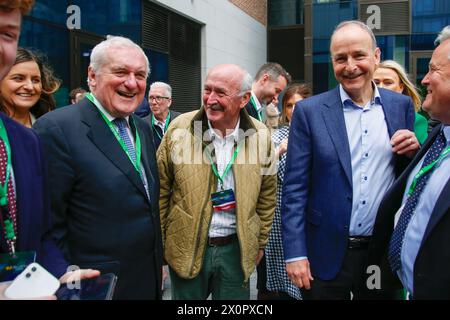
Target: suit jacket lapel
{"points": [[443, 202], [391, 113], [334, 120], [145, 161], [106, 142]]}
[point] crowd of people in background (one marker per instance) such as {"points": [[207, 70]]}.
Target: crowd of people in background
{"points": [[308, 189]]}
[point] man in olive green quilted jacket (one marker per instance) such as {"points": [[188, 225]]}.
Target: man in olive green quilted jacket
{"points": [[218, 191]]}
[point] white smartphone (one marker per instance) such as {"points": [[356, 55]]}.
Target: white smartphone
{"points": [[33, 282]]}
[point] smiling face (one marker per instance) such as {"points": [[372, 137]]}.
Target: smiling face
{"points": [[119, 85], [22, 87], [437, 81], [269, 90], [388, 79], [354, 60], [9, 36], [220, 96]]}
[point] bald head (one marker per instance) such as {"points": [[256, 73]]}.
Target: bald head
{"points": [[349, 26], [234, 75], [226, 92]]}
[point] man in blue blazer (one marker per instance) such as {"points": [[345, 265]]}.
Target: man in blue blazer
{"points": [[103, 175], [424, 256], [346, 147]]}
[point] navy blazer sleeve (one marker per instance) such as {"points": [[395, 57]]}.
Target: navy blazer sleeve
{"points": [[296, 185], [60, 164]]}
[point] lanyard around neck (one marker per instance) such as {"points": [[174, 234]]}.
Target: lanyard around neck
{"points": [[165, 126], [4, 186], [253, 102], [137, 163], [426, 169], [227, 169]]}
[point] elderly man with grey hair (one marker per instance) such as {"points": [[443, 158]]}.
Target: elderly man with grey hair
{"points": [[160, 100], [103, 175], [413, 224], [218, 188]]}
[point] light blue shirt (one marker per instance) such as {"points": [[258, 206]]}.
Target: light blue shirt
{"points": [[372, 159], [419, 221]]}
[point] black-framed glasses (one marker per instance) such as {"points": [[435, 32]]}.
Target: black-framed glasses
{"points": [[157, 98]]}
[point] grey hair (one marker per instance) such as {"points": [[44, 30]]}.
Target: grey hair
{"points": [[443, 35], [246, 85], [360, 24], [165, 86], [99, 56]]}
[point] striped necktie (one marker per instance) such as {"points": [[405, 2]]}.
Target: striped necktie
{"points": [[396, 243], [122, 125]]}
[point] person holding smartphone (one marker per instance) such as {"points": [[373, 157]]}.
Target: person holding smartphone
{"points": [[24, 211]]}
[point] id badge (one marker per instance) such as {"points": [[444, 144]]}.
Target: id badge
{"points": [[11, 265], [223, 200]]}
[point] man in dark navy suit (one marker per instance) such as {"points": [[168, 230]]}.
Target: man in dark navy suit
{"points": [[346, 147], [103, 175]]}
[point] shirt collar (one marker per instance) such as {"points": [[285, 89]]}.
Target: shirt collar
{"points": [[348, 102], [446, 130], [233, 135], [104, 111], [160, 123], [258, 104]]}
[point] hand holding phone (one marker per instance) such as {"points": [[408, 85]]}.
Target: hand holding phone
{"points": [[99, 288], [33, 283]]}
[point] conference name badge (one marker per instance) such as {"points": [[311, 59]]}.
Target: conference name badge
{"points": [[223, 201]]}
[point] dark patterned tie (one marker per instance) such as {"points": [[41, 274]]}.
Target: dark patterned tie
{"points": [[122, 125], [396, 243], [12, 207]]}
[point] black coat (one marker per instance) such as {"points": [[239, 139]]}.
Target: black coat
{"points": [[157, 132], [103, 218]]}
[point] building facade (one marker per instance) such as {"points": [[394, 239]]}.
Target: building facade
{"points": [[405, 31], [182, 39]]}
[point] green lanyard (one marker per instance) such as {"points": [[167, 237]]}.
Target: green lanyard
{"points": [[7, 219], [426, 169], [253, 102], [4, 187], [137, 164], [227, 169], [165, 126]]}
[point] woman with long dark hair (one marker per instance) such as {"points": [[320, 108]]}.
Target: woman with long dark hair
{"points": [[26, 93]]}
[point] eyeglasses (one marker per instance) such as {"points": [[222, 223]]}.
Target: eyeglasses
{"points": [[157, 98]]}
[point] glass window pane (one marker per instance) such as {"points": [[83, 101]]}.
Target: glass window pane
{"points": [[41, 37], [118, 17], [51, 10], [285, 12]]}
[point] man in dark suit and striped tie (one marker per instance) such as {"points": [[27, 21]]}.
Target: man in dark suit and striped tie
{"points": [[103, 175]]}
